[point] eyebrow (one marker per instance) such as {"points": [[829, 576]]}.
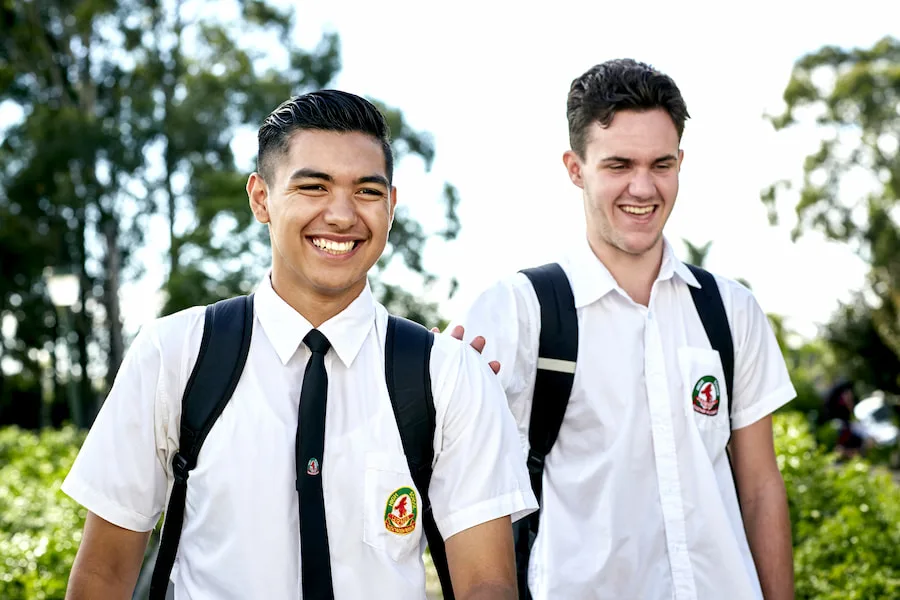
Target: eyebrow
{"points": [[622, 159], [310, 174], [380, 179], [306, 173]]}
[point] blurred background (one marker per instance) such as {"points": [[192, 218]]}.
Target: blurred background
{"points": [[127, 132]]}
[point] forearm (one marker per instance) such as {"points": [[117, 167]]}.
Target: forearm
{"points": [[108, 561], [491, 591], [87, 584], [768, 528]]}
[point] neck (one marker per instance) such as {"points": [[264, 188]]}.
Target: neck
{"points": [[635, 273], [313, 306]]}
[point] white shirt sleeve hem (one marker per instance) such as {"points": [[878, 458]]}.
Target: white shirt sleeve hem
{"points": [[105, 508], [764, 407], [515, 505]]}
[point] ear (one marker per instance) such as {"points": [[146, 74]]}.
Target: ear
{"points": [[393, 205], [574, 167], [258, 195], [680, 158]]}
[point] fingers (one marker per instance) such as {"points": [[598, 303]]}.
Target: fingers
{"points": [[457, 332], [477, 343]]}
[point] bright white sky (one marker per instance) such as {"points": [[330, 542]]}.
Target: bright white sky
{"points": [[489, 81]]}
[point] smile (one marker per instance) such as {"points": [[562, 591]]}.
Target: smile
{"points": [[638, 210], [333, 247]]}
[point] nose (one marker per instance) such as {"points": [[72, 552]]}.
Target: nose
{"points": [[341, 211], [642, 185]]}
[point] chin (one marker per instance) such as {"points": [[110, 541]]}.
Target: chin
{"points": [[334, 288], [639, 247]]}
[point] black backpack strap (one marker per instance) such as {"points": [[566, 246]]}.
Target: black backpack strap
{"points": [[557, 353], [223, 353], [407, 356], [709, 305]]}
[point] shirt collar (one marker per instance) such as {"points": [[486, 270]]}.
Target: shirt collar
{"points": [[671, 264], [286, 328], [591, 280]]}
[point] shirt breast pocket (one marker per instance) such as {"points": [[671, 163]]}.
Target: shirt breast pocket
{"points": [[704, 397], [392, 507]]}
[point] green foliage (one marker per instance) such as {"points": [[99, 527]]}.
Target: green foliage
{"points": [[401, 302], [845, 519], [127, 114], [696, 255], [811, 365], [851, 189], [862, 353], [808, 399], [40, 527]]}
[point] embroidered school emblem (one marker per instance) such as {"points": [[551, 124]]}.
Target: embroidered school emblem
{"points": [[401, 511], [706, 395], [312, 467]]}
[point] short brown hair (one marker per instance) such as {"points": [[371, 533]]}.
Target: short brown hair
{"points": [[620, 84]]}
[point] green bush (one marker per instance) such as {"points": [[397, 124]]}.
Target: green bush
{"points": [[845, 519], [808, 399], [40, 527]]}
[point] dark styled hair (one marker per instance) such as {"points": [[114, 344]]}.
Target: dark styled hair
{"points": [[324, 110], [620, 84]]}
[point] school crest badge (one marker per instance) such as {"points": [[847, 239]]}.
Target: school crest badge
{"points": [[312, 467], [706, 395], [401, 511]]}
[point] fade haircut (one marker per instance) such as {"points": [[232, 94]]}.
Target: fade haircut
{"points": [[620, 84], [324, 110]]}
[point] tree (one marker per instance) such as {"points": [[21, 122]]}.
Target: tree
{"points": [[204, 97], [129, 111], [52, 191], [851, 185], [696, 255], [860, 350]]}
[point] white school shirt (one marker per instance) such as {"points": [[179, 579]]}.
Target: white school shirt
{"points": [[241, 527], [638, 502]]}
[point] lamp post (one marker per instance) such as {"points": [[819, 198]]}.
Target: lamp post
{"points": [[64, 289]]}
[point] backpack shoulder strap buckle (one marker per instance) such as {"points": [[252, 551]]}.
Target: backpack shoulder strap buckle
{"points": [[180, 468], [535, 463]]}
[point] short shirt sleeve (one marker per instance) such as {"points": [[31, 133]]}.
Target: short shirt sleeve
{"points": [[121, 472], [479, 470], [761, 380]]}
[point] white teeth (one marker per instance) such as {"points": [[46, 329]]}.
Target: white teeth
{"points": [[635, 210], [333, 247]]}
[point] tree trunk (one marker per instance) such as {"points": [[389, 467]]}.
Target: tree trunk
{"points": [[111, 300], [3, 398], [169, 79], [85, 396]]}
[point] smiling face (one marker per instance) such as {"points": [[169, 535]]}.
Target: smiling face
{"points": [[329, 209], [629, 177]]}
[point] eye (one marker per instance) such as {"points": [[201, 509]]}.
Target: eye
{"points": [[617, 167], [311, 187], [664, 166], [371, 192]]}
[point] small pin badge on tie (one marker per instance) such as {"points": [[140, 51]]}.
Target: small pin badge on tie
{"points": [[312, 468]]}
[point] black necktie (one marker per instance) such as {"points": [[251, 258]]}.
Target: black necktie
{"points": [[310, 446]]}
